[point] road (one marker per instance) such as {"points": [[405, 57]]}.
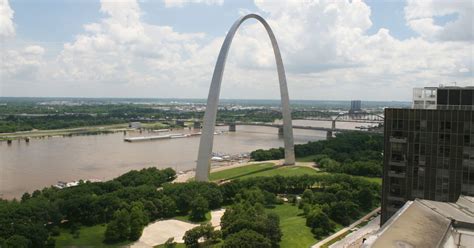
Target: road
{"points": [[343, 230]]}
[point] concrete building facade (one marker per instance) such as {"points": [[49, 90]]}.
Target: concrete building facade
{"points": [[429, 151], [207, 137]]}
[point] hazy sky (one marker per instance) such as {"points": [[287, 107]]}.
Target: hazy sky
{"points": [[341, 50]]}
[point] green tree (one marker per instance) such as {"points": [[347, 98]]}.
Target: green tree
{"points": [[343, 211], [112, 232], [243, 215], [199, 208], [319, 222], [246, 239], [17, 241], [138, 220], [26, 196], [119, 228], [170, 243], [273, 232], [365, 198], [191, 237], [166, 206]]}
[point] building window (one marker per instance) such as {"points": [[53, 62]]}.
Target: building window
{"points": [[423, 124], [467, 140], [397, 124], [445, 126], [444, 138], [444, 151]]}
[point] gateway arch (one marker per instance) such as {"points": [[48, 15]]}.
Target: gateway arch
{"points": [[207, 137]]}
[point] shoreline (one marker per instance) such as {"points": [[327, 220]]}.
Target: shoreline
{"points": [[65, 132]]}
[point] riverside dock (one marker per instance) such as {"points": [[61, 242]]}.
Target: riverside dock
{"points": [[159, 137]]}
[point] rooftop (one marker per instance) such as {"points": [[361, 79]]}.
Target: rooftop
{"points": [[425, 223]]}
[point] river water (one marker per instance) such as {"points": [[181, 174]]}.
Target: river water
{"points": [[25, 167]]}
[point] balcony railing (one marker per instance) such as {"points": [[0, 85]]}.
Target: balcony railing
{"points": [[468, 163], [455, 107], [398, 163], [398, 139], [396, 174]]}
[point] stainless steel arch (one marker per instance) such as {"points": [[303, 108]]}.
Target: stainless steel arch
{"points": [[207, 137]]}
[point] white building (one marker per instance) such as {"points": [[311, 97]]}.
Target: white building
{"points": [[424, 98]]}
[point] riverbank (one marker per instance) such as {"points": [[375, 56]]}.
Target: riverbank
{"points": [[87, 130], [64, 132]]}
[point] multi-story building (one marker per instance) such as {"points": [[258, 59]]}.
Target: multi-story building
{"points": [[429, 149], [356, 106]]}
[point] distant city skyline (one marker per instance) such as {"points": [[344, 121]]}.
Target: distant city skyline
{"points": [[373, 50]]}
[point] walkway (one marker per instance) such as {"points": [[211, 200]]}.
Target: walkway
{"points": [[159, 232], [343, 230], [355, 239]]}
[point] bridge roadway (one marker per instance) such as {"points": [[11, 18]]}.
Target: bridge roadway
{"points": [[308, 119], [279, 126]]}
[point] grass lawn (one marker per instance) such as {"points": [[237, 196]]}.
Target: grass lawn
{"points": [[286, 171], [261, 170], [89, 236], [293, 226], [269, 169], [373, 179], [309, 158], [186, 218], [240, 171]]}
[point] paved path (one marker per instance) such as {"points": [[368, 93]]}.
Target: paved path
{"points": [[354, 239], [159, 232], [343, 230]]}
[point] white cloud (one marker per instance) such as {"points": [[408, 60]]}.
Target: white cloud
{"points": [[6, 19], [122, 49], [325, 47], [421, 14], [329, 55], [182, 3], [22, 64]]}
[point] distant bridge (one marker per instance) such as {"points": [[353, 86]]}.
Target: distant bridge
{"points": [[329, 131], [359, 117]]}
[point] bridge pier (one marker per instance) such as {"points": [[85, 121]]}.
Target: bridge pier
{"points": [[232, 127], [197, 125], [280, 131], [329, 135], [333, 126]]}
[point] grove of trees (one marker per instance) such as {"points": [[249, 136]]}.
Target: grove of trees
{"points": [[354, 153]]}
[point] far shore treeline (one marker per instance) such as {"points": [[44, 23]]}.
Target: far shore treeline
{"points": [[17, 117]]}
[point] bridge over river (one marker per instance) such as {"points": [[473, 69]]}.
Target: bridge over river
{"points": [[359, 117], [329, 131]]}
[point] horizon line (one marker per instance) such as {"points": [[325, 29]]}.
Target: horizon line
{"points": [[190, 98]]}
